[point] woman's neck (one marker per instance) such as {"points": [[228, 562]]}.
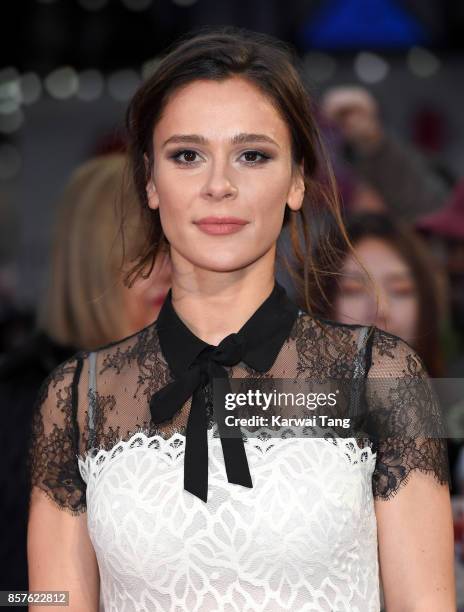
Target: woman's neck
{"points": [[220, 303]]}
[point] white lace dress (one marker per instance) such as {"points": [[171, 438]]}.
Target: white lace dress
{"points": [[304, 537]]}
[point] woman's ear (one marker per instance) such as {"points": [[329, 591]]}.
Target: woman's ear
{"points": [[297, 189], [152, 194]]}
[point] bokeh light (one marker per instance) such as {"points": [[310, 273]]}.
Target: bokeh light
{"points": [[122, 84], [91, 85], [12, 121], [370, 67], [62, 83], [422, 62], [31, 87], [149, 67]]}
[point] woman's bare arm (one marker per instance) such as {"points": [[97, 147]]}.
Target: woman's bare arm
{"points": [[60, 555], [416, 549]]}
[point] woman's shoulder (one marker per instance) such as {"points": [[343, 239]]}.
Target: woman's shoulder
{"points": [[316, 327], [117, 354], [59, 381], [393, 357], [137, 341], [137, 350], [326, 323], [386, 353]]}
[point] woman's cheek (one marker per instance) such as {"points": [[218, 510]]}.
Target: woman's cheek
{"points": [[352, 308], [174, 216], [404, 315], [272, 215]]}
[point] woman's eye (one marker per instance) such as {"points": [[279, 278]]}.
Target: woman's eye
{"points": [[251, 157], [184, 157], [352, 288], [187, 157], [403, 290]]}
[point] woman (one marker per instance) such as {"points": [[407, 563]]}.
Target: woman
{"points": [[224, 149], [411, 286], [86, 305]]}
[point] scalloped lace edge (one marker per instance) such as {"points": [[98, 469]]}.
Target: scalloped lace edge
{"points": [[95, 460]]}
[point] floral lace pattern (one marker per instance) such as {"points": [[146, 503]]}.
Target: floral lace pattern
{"points": [[130, 371], [405, 419], [304, 538], [52, 462]]}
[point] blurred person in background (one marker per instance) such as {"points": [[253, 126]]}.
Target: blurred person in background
{"points": [[444, 231], [392, 175], [411, 286], [86, 304], [376, 171]]}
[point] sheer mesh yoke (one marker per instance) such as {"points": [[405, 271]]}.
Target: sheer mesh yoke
{"points": [[76, 416]]}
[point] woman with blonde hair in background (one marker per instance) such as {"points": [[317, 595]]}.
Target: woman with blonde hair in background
{"points": [[86, 304]]}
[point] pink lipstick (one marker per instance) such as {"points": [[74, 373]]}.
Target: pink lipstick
{"points": [[220, 225]]}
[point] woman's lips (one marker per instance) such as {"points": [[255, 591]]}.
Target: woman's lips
{"points": [[220, 225]]}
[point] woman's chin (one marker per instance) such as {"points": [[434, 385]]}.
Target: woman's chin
{"points": [[224, 265], [221, 260]]}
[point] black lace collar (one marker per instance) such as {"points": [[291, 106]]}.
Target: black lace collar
{"points": [[264, 333], [194, 363]]}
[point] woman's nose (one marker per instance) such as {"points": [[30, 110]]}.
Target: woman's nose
{"points": [[219, 184]]}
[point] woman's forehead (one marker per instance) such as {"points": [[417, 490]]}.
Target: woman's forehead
{"points": [[375, 252], [219, 110]]}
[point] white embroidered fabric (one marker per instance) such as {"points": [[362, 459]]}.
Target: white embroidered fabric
{"points": [[303, 538]]}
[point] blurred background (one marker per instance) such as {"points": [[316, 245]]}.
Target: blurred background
{"points": [[70, 66], [387, 80]]}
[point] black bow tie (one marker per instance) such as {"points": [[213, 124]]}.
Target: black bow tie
{"points": [[195, 363]]}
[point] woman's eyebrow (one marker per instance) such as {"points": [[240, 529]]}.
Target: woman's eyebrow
{"points": [[242, 138]]}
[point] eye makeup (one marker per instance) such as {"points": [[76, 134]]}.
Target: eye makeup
{"points": [[176, 156]]}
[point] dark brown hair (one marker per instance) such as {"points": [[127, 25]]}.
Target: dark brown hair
{"points": [[272, 66], [429, 281]]}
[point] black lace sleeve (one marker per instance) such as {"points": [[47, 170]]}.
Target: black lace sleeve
{"points": [[404, 416], [54, 442]]}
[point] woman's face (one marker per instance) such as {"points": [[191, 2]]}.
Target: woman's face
{"points": [[222, 175], [398, 299]]}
